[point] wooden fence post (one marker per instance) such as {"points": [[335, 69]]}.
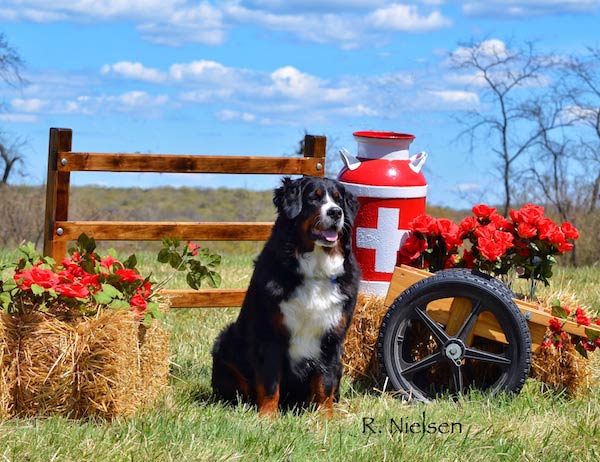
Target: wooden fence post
{"points": [[57, 192], [315, 146]]}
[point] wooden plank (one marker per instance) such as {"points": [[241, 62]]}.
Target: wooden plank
{"points": [[57, 192], [459, 310], [155, 231], [205, 298], [185, 163], [316, 147]]}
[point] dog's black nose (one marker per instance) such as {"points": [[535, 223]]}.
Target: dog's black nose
{"points": [[335, 213]]}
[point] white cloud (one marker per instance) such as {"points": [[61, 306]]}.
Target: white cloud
{"points": [[472, 79], [456, 96], [407, 18], [19, 118], [468, 187], [347, 23], [141, 99], [527, 8], [28, 105], [135, 71], [490, 47], [228, 115]]}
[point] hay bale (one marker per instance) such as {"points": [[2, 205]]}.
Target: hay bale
{"points": [[360, 354], [108, 368], [104, 366], [154, 363], [8, 377], [562, 369], [46, 363]]}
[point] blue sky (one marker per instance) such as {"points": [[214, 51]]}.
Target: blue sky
{"points": [[249, 76]]}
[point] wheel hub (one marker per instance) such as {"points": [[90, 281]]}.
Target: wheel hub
{"points": [[454, 350]]}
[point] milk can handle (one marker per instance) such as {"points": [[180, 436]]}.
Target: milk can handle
{"points": [[351, 162], [417, 161]]}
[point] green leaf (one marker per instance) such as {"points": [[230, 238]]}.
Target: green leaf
{"points": [[559, 311], [163, 256], [37, 290], [50, 260], [111, 291], [148, 320], [174, 260], [120, 305], [213, 260], [214, 279], [131, 262], [102, 298], [113, 253], [593, 335], [154, 311], [191, 281], [8, 285], [579, 348], [555, 302], [5, 298]]}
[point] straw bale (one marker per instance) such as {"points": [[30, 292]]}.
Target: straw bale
{"points": [[8, 347], [360, 353], [46, 363], [154, 363], [108, 365]]}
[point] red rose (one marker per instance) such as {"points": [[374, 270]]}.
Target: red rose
{"points": [[424, 224], [531, 214], [597, 342], [500, 222], [412, 248], [547, 228], [144, 290], [581, 318], [467, 225], [108, 262], [72, 267], [450, 262], [483, 211], [546, 343], [129, 275], [450, 232], [490, 250], [193, 248], [42, 277], [75, 290], [569, 230], [526, 230], [555, 325], [91, 280], [138, 304]]}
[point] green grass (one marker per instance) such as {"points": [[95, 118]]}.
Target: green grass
{"points": [[187, 424]]}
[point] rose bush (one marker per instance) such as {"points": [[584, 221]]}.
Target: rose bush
{"points": [[88, 282]]}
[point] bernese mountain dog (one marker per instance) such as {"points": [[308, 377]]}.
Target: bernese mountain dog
{"points": [[284, 350]]}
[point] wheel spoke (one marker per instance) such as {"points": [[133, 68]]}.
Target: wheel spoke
{"points": [[472, 353], [437, 331], [469, 323], [457, 377], [423, 364]]}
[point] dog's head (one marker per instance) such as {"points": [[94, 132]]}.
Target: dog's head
{"points": [[322, 209]]}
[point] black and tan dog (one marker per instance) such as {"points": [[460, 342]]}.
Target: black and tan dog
{"points": [[284, 349]]}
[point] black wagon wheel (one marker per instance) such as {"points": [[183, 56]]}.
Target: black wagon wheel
{"points": [[424, 359]]}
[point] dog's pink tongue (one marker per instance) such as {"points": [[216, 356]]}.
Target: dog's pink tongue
{"points": [[331, 235]]}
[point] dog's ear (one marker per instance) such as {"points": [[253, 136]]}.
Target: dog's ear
{"points": [[351, 205], [288, 197]]}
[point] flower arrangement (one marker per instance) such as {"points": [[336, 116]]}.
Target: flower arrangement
{"points": [[87, 282], [526, 244], [557, 337], [79, 337]]}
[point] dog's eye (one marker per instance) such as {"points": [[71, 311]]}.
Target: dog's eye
{"points": [[319, 193], [336, 195]]}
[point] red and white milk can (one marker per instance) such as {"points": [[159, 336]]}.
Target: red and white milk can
{"points": [[391, 190]]}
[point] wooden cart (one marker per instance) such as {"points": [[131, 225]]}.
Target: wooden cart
{"points": [[456, 330]]}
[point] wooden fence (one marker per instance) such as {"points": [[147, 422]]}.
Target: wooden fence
{"points": [[58, 229]]}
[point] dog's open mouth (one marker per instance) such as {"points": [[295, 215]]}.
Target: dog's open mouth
{"points": [[330, 235]]}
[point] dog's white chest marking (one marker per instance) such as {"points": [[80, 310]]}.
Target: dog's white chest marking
{"points": [[315, 306]]}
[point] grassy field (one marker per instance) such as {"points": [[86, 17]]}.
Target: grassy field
{"points": [[187, 424]]}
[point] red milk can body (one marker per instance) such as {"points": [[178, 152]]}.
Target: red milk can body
{"points": [[392, 191]]}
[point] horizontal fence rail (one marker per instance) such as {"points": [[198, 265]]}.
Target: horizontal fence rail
{"points": [[156, 230], [58, 229], [176, 163]]}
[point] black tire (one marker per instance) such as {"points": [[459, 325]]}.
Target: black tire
{"points": [[420, 359]]}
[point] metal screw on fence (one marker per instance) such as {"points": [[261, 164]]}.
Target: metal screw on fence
{"points": [[60, 231], [319, 166], [63, 161]]}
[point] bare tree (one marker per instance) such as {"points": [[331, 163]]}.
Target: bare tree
{"points": [[501, 73], [11, 66], [582, 77]]}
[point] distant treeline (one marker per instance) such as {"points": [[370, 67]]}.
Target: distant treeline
{"points": [[22, 213]]}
